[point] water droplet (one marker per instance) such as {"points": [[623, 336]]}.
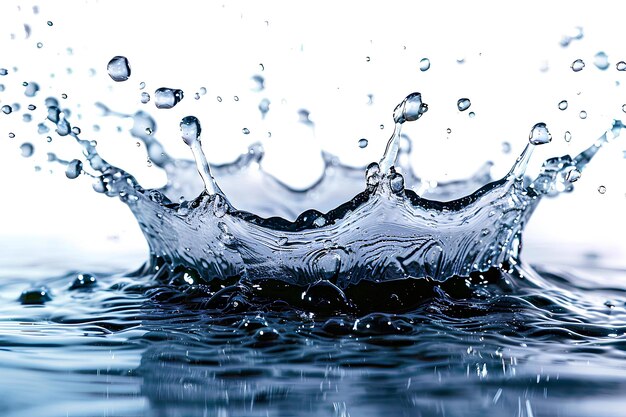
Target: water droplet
{"points": [[35, 296], [83, 282], [7, 109], [410, 109], [27, 149], [31, 107], [64, 96], [448, 130], [190, 129], [219, 99], [39, 45], [149, 162], [472, 115], [259, 83], [145, 97], [11, 135], [583, 114], [624, 108], [602, 189], [262, 67], [27, 118], [372, 174], [539, 134], [118, 68], [148, 131], [220, 208], [4, 71], [236, 98], [424, 64], [166, 98], [202, 91], [463, 104], [363, 143], [506, 147], [567, 136], [264, 107], [142, 85], [76, 130], [50, 23], [48, 139], [245, 131], [73, 169], [578, 65], [396, 183], [563, 105], [601, 61], [621, 66], [382, 127], [196, 96]]}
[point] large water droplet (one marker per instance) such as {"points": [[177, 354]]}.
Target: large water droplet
{"points": [[396, 183], [73, 169], [35, 296], [27, 149], [578, 65], [463, 104], [601, 61], [190, 128], [563, 105], [83, 282], [424, 64], [539, 134], [118, 68], [410, 109], [166, 98]]}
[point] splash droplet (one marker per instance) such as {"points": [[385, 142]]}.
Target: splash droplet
{"points": [[572, 175], [245, 131], [27, 149], [190, 129], [11, 135], [396, 183], [145, 97], [39, 45], [578, 65], [601, 61], [567, 136], [463, 104], [621, 66], [73, 169], [363, 143], [424, 64], [50, 23], [602, 189], [410, 109], [539, 135], [563, 105], [31, 89], [118, 68], [166, 98], [583, 114], [4, 71], [31, 107], [6, 109]]}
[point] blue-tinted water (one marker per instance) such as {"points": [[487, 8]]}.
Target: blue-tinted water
{"points": [[369, 292]]}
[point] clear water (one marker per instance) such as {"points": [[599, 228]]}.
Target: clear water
{"points": [[370, 292]]}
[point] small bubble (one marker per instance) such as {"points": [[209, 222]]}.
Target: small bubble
{"points": [[602, 189], [363, 143], [539, 134], [11, 135], [219, 99], [463, 104], [245, 131], [6, 109], [621, 66], [27, 149], [563, 105], [145, 97], [118, 68], [583, 114], [601, 61], [424, 64], [39, 45], [50, 23], [578, 65], [236, 98], [567, 136]]}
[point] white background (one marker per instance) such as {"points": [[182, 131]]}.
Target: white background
{"points": [[315, 57]]}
